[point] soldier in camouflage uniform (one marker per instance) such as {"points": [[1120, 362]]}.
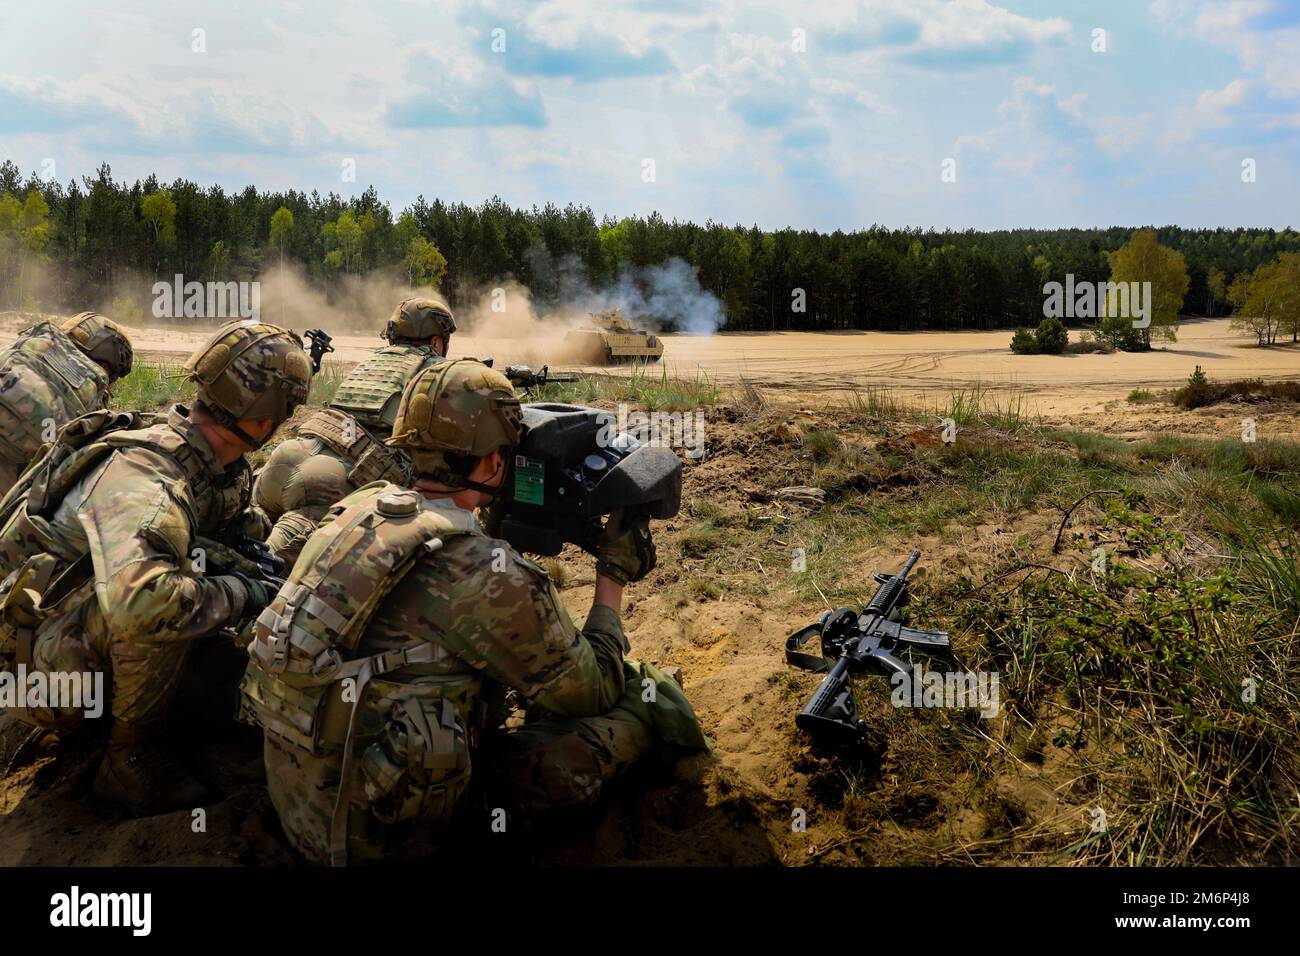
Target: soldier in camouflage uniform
{"points": [[98, 548], [341, 447], [380, 670], [50, 376]]}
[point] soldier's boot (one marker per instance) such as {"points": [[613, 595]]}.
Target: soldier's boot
{"points": [[141, 775]]}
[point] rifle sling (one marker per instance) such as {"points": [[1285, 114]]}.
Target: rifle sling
{"points": [[808, 662]]}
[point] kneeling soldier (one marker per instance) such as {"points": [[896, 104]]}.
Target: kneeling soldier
{"points": [[97, 545], [384, 662]]}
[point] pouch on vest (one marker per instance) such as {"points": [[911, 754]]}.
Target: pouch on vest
{"points": [[75, 451], [419, 768], [369, 460]]}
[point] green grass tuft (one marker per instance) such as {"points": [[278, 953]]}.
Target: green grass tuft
{"points": [[641, 387], [151, 386]]}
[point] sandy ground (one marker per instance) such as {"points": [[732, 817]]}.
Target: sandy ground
{"points": [[915, 365]]}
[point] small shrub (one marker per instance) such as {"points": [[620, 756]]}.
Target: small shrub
{"points": [[1118, 332], [1051, 336], [325, 384], [1140, 395], [557, 571], [1024, 342], [1196, 392], [821, 444], [1089, 343], [704, 589], [150, 386], [699, 539]]}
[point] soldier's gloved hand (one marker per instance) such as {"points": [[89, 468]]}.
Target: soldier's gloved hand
{"points": [[257, 594], [626, 552]]}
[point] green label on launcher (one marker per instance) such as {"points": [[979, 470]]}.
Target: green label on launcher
{"points": [[530, 480]]}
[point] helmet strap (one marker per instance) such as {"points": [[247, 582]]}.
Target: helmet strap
{"points": [[246, 438], [456, 483], [230, 423]]}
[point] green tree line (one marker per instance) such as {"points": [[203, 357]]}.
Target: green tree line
{"points": [[88, 233]]}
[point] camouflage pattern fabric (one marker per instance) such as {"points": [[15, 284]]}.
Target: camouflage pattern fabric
{"points": [[128, 594], [460, 406], [45, 382], [103, 341], [420, 319], [488, 620], [251, 371], [338, 449], [371, 391]]}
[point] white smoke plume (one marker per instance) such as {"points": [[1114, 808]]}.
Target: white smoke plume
{"points": [[665, 295], [656, 298]]}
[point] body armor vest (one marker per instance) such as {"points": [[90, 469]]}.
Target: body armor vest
{"points": [[372, 390], [402, 739]]}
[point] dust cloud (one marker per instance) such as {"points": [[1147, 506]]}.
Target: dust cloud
{"points": [[528, 322], [562, 298]]}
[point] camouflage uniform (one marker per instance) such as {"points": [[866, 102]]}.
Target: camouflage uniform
{"points": [[380, 670], [97, 543], [50, 376], [340, 448]]}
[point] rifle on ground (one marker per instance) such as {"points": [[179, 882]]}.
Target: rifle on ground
{"points": [[320, 346], [521, 376], [854, 642]]}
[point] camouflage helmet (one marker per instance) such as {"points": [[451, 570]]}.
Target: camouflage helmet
{"points": [[102, 340], [420, 318], [251, 370], [460, 407]]}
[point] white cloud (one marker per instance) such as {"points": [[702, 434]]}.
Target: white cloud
{"points": [[1264, 35], [1214, 102], [962, 24], [1039, 131]]}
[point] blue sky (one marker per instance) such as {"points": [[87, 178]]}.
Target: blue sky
{"points": [[746, 119]]}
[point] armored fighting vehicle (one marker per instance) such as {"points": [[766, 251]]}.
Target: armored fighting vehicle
{"points": [[611, 339]]}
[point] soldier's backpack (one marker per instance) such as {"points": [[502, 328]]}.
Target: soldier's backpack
{"points": [[405, 744], [45, 382]]}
